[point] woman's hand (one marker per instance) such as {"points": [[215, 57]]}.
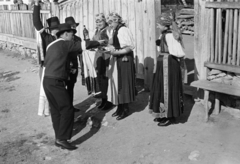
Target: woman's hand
{"points": [[110, 48]]}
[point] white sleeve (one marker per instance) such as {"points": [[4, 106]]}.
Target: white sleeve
{"points": [[83, 45], [158, 47], [174, 47], [125, 38]]}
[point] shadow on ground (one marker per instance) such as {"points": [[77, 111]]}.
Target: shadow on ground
{"points": [[89, 114]]}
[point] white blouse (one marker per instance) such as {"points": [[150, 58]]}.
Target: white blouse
{"points": [[125, 38], [174, 47]]}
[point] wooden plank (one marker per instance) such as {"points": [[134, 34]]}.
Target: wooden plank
{"points": [[204, 38], [125, 11], [118, 6], [146, 47], [105, 6], [216, 37], [68, 10], [185, 16], [217, 87], [79, 18], [101, 8], [217, 104], [226, 37], [132, 20], [151, 52], [223, 67], [219, 11], [85, 13], [235, 32], [157, 14], [230, 36], [212, 34], [64, 13], [91, 18], [22, 25], [206, 97], [96, 8], [112, 6], [223, 5], [139, 39], [238, 47]]}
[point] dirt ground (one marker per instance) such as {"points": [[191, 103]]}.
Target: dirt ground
{"points": [[28, 138]]}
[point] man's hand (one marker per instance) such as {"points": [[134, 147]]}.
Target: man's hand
{"points": [[36, 2], [41, 63], [73, 71], [102, 42]]}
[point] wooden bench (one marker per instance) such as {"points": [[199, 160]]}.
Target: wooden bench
{"points": [[217, 87]]}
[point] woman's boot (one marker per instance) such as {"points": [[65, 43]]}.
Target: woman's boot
{"points": [[117, 112], [103, 103], [124, 113]]}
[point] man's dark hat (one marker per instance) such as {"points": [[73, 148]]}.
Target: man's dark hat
{"points": [[65, 27], [71, 21], [53, 22]]}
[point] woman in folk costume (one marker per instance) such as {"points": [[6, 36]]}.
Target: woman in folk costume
{"points": [[121, 73], [166, 96], [99, 60], [102, 59]]}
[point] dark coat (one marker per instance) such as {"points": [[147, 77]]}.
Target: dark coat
{"points": [[56, 58]]}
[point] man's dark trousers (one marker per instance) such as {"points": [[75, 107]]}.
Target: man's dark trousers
{"points": [[61, 109], [70, 85]]}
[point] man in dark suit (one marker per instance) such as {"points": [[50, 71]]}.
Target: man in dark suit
{"points": [[54, 84], [73, 61]]}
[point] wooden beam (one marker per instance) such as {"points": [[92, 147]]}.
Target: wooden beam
{"points": [[217, 87], [223, 67], [223, 5]]}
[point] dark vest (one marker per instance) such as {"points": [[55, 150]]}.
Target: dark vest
{"points": [[116, 43], [163, 43]]}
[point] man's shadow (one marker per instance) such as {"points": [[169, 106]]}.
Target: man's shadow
{"points": [[89, 115]]}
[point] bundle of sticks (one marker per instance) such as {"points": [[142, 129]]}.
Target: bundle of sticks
{"points": [[185, 20]]}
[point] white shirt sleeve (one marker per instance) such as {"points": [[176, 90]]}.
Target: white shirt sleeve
{"points": [[125, 38], [174, 47], [158, 47]]}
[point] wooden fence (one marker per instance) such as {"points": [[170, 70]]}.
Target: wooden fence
{"points": [[19, 22], [217, 34], [139, 16]]}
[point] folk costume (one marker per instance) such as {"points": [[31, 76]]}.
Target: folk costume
{"points": [[54, 84], [43, 40], [47, 38], [101, 60], [121, 71], [73, 62], [97, 60], [166, 95]]}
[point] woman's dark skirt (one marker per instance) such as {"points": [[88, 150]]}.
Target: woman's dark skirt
{"points": [[126, 78], [166, 95]]}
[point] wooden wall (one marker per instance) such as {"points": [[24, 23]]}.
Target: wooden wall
{"points": [[139, 16]]}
